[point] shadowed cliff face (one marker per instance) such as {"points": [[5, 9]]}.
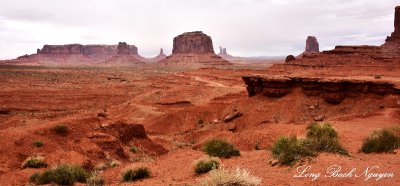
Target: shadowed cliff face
{"points": [[332, 91], [193, 42]]}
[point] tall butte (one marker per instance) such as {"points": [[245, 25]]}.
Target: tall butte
{"points": [[194, 48], [312, 44], [396, 34]]}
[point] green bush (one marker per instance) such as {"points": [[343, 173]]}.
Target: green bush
{"points": [[136, 174], [34, 162], [62, 175], [220, 148], [60, 129], [134, 149], [206, 164], [38, 144], [288, 150], [324, 138], [320, 138], [385, 140]]}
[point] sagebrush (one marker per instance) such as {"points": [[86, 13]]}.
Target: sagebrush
{"points": [[224, 177], [220, 148], [135, 174], [64, 174], [206, 164], [384, 140], [319, 138]]}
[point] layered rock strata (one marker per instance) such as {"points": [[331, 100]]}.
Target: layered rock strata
{"points": [[333, 91]]}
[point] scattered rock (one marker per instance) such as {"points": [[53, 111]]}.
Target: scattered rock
{"points": [[232, 128], [232, 116], [273, 162], [319, 118], [101, 115], [127, 132], [175, 103]]}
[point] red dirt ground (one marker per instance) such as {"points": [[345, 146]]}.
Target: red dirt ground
{"points": [[169, 103]]}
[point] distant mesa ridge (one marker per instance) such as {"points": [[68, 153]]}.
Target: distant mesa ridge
{"points": [[121, 48]]}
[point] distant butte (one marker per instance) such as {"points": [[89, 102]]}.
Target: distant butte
{"points": [[194, 48], [396, 34], [224, 54], [312, 44]]}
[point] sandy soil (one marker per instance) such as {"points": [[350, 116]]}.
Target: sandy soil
{"points": [[169, 103]]}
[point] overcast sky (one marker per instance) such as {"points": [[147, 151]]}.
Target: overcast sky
{"points": [[244, 27]]}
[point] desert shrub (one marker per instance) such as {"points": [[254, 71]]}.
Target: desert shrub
{"points": [[288, 150], [38, 144], [134, 149], [384, 140], [324, 138], [220, 148], [34, 162], [95, 181], [62, 175], [237, 177], [206, 164], [136, 174], [60, 129], [320, 138]]}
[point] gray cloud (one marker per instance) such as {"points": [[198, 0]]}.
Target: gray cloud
{"points": [[245, 27]]}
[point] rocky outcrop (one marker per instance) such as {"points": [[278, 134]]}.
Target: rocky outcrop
{"points": [[358, 50], [396, 34], [194, 49], [290, 58], [193, 42], [312, 44], [333, 91]]}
